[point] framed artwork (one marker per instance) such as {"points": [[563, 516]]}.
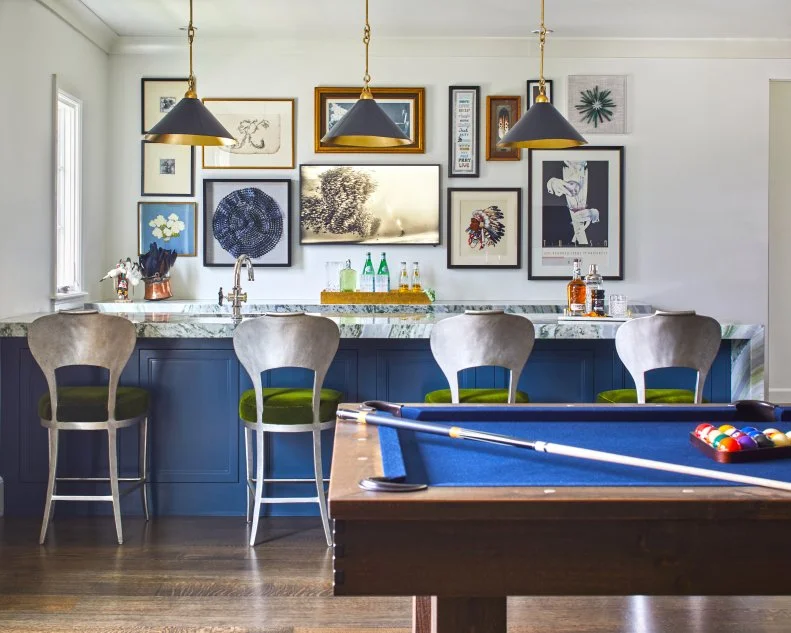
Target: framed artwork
{"points": [[597, 103], [171, 225], [406, 106], [369, 204], [247, 217], [264, 133], [158, 96], [167, 170], [463, 118], [502, 113], [533, 90], [484, 228], [575, 211]]}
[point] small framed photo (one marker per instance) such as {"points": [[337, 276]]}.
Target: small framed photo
{"points": [[167, 170], [463, 123], [264, 133], [484, 228], [247, 217], [502, 113], [405, 106], [171, 225], [575, 211], [597, 103], [534, 89], [158, 96]]}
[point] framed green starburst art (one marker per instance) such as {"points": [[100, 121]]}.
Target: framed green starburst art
{"points": [[597, 103]]}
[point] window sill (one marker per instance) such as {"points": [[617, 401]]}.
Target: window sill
{"points": [[66, 300]]}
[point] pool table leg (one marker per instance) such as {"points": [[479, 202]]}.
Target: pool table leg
{"points": [[432, 614]]}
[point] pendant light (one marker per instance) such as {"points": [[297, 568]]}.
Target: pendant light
{"points": [[366, 124], [542, 126], [190, 122]]}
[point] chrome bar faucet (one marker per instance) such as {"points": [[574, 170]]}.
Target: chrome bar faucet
{"points": [[236, 296]]}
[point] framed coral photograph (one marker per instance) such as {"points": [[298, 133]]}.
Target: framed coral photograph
{"points": [[170, 225], [502, 113], [484, 228]]}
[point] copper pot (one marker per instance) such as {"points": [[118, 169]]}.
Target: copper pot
{"points": [[157, 289]]}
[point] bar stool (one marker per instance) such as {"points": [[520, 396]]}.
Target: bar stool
{"points": [[479, 339], [99, 340], [665, 339], [286, 340]]}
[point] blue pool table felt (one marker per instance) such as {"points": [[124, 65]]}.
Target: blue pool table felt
{"points": [[441, 461]]}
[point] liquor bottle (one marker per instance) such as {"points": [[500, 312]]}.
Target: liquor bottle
{"points": [[367, 276], [416, 286], [403, 279], [382, 279], [348, 278], [575, 291], [593, 281]]}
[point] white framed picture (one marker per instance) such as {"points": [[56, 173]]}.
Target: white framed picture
{"points": [[158, 96], [597, 103], [167, 170]]}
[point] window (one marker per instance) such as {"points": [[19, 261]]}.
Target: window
{"points": [[68, 274]]}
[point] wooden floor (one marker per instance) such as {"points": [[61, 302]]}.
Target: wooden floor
{"points": [[182, 575]]}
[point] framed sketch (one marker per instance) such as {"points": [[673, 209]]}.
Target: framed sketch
{"points": [[406, 106], [502, 113], [597, 103], [158, 96], [575, 211], [171, 225], [264, 133], [369, 204], [534, 89], [463, 118], [247, 217], [167, 170], [484, 228]]}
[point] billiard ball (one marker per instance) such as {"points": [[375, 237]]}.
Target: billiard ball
{"points": [[702, 429], [780, 439], [718, 440], [762, 440], [712, 434], [747, 443], [729, 445], [727, 427], [769, 431], [737, 434], [749, 429]]}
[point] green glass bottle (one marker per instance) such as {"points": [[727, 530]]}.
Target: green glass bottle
{"points": [[382, 283], [367, 276], [348, 281]]}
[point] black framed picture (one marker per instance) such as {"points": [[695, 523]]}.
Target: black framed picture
{"points": [[463, 126], [575, 211], [247, 217], [158, 95], [484, 228], [167, 170], [534, 89]]}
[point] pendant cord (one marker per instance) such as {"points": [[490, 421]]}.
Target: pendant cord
{"points": [[542, 39], [366, 93], [191, 92]]}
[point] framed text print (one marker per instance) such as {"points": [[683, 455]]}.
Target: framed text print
{"points": [[463, 118]]}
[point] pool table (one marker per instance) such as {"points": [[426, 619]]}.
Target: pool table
{"points": [[497, 521]]}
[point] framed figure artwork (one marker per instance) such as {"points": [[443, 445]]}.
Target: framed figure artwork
{"points": [[484, 228], [264, 133], [247, 217], [167, 170], [575, 211], [502, 113], [171, 225], [534, 89], [405, 106], [158, 96], [463, 122]]}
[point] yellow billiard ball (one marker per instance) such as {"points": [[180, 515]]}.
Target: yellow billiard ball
{"points": [[780, 439]]}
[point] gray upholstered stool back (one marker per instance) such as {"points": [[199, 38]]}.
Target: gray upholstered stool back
{"points": [[478, 339], [668, 339]]}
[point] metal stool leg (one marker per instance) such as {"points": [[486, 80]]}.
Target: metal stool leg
{"points": [[249, 465], [259, 484], [143, 467], [53, 465], [319, 473], [112, 446]]}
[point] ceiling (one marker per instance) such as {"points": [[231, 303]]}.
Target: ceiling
{"points": [[762, 19]]}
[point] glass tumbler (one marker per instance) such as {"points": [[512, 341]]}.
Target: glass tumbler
{"points": [[333, 273], [619, 306]]}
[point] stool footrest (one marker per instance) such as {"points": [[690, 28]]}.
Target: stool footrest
{"points": [[308, 480], [105, 479], [289, 500], [82, 497]]}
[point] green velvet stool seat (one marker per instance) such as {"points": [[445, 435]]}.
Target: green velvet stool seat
{"points": [[652, 396], [89, 404], [284, 405], [475, 396]]}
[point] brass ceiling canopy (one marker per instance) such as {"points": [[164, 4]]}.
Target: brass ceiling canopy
{"points": [[190, 122], [366, 124], [542, 126]]}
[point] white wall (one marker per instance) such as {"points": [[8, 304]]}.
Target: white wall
{"points": [[34, 45]]}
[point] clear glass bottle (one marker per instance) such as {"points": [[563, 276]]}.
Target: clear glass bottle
{"points": [[593, 281], [575, 291], [382, 280], [348, 282], [416, 285], [367, 276], [403, 279]]}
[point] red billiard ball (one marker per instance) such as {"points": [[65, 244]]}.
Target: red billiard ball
{"points": [[728, 444], [702, 429]]}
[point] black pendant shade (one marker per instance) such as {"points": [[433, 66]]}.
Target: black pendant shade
{"points": [[542, 127], [366, 125], [190, 123]]}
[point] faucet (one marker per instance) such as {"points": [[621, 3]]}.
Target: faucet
{"points": [[236, 296]]}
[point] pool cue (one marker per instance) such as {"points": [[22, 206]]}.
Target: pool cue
{"points": [[456, 432]]}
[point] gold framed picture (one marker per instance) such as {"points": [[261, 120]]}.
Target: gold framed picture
{"points": [[502, 113], [405, 106]]}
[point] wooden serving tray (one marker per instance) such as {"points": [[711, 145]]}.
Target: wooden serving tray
{"points": [[393, 297], [739, 457]]}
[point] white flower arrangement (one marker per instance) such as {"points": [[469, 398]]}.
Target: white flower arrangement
{"points": [[166, 228]]}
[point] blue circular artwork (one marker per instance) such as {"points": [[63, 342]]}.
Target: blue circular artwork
{"points": [[248, 222]]}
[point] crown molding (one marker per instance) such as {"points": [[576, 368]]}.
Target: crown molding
{"points": [[84, 21]]}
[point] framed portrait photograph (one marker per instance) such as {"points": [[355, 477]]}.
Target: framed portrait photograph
{"points": [[171, 225], [405, 106], [158, 96], [597, 103], [247, 217], [463, 122], [369, 204], [502, 113], [484, 228], [167, 170], [264, 133], [534, 89], [575, 211]]}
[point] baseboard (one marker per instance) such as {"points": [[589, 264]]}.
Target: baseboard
{"points": [[778, 395]]}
